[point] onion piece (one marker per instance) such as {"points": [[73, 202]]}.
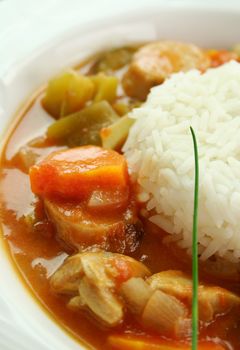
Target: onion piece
{"points": [[162, 313], [136, 293], [75, 303], [108, 200], [183, 328]]}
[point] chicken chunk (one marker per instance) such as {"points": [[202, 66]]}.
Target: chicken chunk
{"points": [[79, 227], [76, 227], [213, 301], [154, 62], [163, 302], [108, 284], [91, 279], [67, 278]]}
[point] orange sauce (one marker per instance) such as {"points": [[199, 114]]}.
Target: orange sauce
{"points": [[38, 254]]}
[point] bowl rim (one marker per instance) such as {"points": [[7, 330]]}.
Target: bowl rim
{"points": [[13, 71]]}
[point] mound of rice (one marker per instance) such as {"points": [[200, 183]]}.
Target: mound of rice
{"points": [[160, 155]]}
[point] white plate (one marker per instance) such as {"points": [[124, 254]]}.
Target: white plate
{"points": [[23, 324]]}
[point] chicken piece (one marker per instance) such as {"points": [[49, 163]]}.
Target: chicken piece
{"points": [[163, 302], [91, 278], [172, 282], [79, 227], [67, 278], [154, 62], [96, 296], [213, 301]]}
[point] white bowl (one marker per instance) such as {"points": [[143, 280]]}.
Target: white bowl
{"points": [[23, 324]]}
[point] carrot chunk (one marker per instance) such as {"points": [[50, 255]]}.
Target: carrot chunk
{"points": [[219, 57], [119, 342], [77, 172]]}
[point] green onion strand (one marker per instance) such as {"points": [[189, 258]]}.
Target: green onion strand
{"points": [[195, 249]]}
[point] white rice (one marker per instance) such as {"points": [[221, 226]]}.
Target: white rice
{"points": [[159, 151]]}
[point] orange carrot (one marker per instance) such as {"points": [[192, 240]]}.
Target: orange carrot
{"points": [[75, 173], [120, 342], [219, 57]]}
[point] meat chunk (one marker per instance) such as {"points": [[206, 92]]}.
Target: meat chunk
{"points": [[88, 198], [108, 284], [91, 279], [163, 302], [67, 278], [154, 62], [78, 227], [213, 301], [172, 282]]}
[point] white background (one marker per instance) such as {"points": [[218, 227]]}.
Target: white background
{"points": [[27, 24]]}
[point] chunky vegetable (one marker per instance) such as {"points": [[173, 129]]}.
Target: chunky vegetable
{"points": [[105, 87], [123, 106], [108, 201], [136, 293], [113, 60], [126, 342], [236, 49], [77, 172], [83, 128], [67, 93], [82, 242], [33, 152], [114, 135], [27, 156], [163, 313], [155, 309], [219, 57]]}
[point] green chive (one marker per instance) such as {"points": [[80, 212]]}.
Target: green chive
{"points": [[195, 249]]}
